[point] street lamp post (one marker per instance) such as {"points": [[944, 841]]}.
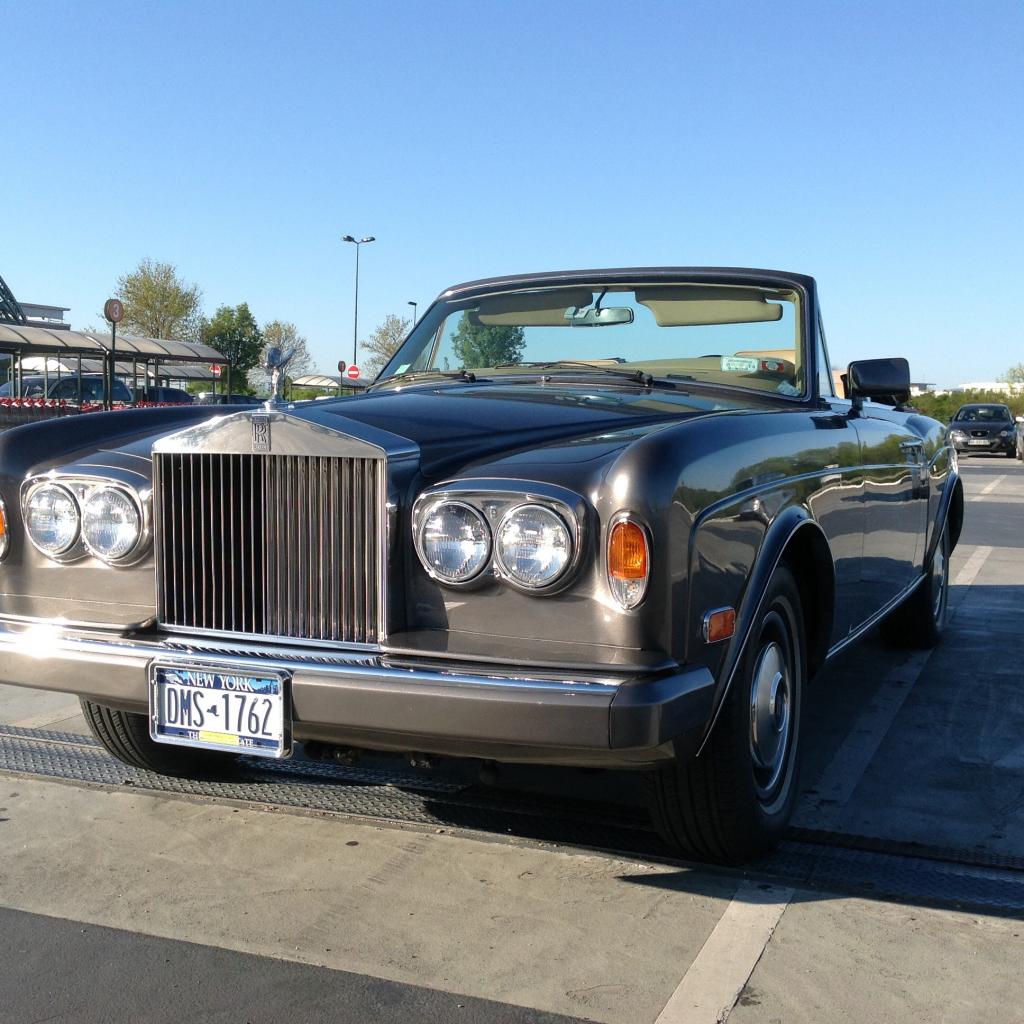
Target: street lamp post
{"points": [[357, 242], [413, 304]]}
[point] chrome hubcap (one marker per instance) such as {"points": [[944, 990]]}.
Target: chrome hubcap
{"points": [[939, 580], [770, 717]]}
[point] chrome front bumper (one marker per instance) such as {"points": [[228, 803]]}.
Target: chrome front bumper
{"points": [[386, 703]]}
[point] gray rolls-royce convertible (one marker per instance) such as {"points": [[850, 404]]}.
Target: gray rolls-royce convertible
{"points": [[612, 518]]}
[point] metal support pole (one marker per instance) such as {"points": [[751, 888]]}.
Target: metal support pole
{"points": [[355, 318], [109, 390]]}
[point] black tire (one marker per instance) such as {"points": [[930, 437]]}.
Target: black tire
{"points": [[918, 622], [721, 806], [126, 736]]}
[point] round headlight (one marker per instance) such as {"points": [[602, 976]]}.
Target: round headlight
{"points": [[534, 546], [454, 542], [111, 524], [51, 518]]}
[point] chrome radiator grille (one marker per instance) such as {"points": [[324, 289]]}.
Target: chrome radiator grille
{"points": [[271, 545]]}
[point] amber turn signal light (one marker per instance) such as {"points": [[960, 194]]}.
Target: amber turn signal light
{"points": [[627, 552], [5, 539], [719, 624]]}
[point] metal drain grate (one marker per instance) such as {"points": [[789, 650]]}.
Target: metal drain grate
{"points": [[824, 861], [381, 794]]}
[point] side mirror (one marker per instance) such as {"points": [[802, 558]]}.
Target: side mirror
{"points": [[885, 380]]}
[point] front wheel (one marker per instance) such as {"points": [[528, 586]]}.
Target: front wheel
{"points": [[126, 735], [733, 802]]}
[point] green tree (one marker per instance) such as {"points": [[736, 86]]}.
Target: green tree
{"points": [[285, 336], [477, 345], [1015, 374], [383, 343], [160, 304], [234, 333]]}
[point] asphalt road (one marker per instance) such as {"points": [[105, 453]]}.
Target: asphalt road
{"points": [[122, 903]]}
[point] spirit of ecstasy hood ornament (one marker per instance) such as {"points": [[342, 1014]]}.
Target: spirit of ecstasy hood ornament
{"points": [[275, 362]]}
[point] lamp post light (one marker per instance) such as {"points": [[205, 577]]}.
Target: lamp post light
{"points": [[357, 242], [414, 305]]}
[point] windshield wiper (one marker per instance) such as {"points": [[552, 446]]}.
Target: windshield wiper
{"points": [[645, 380], [466, 375]]}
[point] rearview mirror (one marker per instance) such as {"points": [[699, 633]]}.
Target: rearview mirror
{"points": [[599, 317], [885, 380]]}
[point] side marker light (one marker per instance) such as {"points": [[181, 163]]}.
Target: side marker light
{"points": [[719, 624]]}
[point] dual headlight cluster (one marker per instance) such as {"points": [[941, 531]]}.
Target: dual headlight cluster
{"points": [[529, 541], [104, 519], [532, 546]]}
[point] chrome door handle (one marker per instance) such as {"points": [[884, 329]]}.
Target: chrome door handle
{"points": [[914, 451]]}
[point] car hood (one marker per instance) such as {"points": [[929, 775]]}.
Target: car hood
{"points": [[455, 424], [452, 426]]}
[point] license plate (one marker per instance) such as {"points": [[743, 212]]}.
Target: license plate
{"points": [[980, 442], [219, 709]]}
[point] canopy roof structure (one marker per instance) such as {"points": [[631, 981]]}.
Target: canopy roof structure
{"points": [[58, 366], [316, 380], [31, 341]]}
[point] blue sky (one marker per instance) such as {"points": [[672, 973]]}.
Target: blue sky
{"points": [[879, 147]]}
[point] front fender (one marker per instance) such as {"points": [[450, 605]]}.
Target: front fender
{"points": [[792, 531]]}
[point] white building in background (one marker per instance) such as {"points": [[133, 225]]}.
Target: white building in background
{"points": [[999, 386]]}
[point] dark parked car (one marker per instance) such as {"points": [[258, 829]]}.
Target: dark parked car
{"points": [[209, 398], [66, 388], [609, 518], [983, 428], [165, 395]]}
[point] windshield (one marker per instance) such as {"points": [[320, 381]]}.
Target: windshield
{"points": [[983, 414], [718, 334]]}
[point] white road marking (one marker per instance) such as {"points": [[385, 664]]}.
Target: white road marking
{"points": [[851, 760], [711, 986], [970, 569], [988, 488]]}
